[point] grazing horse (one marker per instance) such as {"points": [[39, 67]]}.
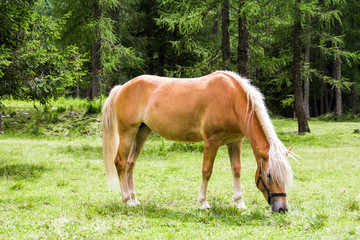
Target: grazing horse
{"points": [[220, 109]]}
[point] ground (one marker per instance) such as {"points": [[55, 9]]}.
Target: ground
{"points": [[53, 185]]}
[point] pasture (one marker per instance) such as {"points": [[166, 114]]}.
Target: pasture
{"points": [[53, 186]]}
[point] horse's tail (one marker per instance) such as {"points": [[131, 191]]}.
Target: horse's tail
{"points": [[110, 140]]}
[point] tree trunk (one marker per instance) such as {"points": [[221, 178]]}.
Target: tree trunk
{"points": [[306, 81], [303, 125], [225, 47], [149, 26], [325, 107], [337, 77], [77, 90], [162, 54], [243, 45], [314, 109], [353, 98], [322, 102], [95, 55], [331, 98], [338, 102], [0, 121]]}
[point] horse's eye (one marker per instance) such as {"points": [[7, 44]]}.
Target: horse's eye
{"points": [[268, 175]]}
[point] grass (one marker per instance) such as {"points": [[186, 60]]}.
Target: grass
{"points": [[53, 186]]}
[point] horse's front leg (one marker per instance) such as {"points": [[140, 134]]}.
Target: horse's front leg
{"points": [[234, 154], [210, 149]]}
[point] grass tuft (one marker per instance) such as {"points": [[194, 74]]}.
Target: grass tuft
{"points": [[353, 205]]}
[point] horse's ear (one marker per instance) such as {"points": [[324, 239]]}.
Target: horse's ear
{"points": [[262, 154], [290, 149]]}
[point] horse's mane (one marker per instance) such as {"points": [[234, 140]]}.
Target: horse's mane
{"points": [[278, 163]]}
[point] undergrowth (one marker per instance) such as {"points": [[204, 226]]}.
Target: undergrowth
{"points": [[68, 117], [346, 117]]}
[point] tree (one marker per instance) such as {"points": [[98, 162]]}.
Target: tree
{"points": [[190, 38], [303, 125], [94, 26], [95, 52], [34, 68], [350, 30], [194, 29], [243, 42], [31, 66], [337, 77], [225, 23]]}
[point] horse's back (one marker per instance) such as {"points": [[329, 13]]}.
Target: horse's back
{"points": [[178, 109]]}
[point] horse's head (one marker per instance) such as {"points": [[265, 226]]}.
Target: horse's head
{"points": [[268, 182]]}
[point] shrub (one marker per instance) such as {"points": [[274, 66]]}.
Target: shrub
{"points": [[61, 109], [93, 108], [333, 117]]}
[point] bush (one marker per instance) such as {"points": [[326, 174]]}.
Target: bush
{"points": [[61, 109], [333, 117], [93, 107]]}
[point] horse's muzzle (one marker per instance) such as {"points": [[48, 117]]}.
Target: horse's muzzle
{"points": [[279, 205], [280, 210]]}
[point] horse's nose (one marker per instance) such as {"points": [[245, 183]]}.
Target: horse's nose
{"points": [[283, 210], [279, 208]]}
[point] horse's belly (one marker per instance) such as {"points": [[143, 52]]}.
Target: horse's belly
{"points": [[183, 137], [175, 127]]}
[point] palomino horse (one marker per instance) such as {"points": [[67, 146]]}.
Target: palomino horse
{"points": [[220, 109]]}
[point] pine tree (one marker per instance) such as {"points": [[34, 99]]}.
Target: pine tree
{"points": [[243, 42], [91, 26], [303, 125]]}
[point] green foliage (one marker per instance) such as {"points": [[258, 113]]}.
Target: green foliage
{"points": [[33, 67], [347, 117], [46, 46], [93, 107], [61, 109], [5, 55]]}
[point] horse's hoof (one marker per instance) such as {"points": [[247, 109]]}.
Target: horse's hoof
{"points": [[130, 203], [136, 202], [240, 205], [205, 205]]}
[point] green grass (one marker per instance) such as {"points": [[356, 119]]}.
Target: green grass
{"points": [[53, 186]]}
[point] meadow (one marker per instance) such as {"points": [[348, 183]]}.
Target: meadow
{"points": [[53, 184]]}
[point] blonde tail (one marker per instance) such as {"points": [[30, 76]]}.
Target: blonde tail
{"points": [[110, 140]]}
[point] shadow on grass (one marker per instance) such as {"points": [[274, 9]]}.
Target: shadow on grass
{"points": [[228, 215], [22, 171], [90, 152]]}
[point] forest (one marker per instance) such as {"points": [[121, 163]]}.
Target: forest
{"points": [[60, 58], [303, 55]]}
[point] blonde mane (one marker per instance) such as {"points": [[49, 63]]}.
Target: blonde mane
{"points": [[278, 163]]}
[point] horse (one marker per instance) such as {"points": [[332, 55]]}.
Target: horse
{"points": [[219, 109]]}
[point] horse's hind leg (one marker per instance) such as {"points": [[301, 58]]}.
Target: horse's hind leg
{"points": [[234, 154], [210, 149], [126, 140], [136, 148]]}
